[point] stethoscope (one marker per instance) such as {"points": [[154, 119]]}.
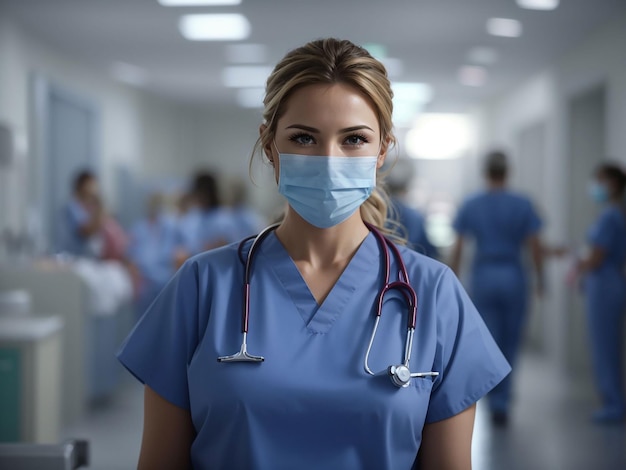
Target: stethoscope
{"points": [[399, 374]]}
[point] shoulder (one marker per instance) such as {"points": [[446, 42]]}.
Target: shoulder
{"points": [[423, 269], [219, 260]]}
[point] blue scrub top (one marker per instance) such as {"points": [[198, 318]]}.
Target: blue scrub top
{"points": [[311, 404], [75, 215], [500, 221], [151, 248], [609, 234], [198, 229], [412, 228]]}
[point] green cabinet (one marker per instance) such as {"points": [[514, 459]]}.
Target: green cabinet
{"points": [[10, 390]]}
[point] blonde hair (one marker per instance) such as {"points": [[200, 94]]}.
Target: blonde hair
{"points": [[329, 61]]}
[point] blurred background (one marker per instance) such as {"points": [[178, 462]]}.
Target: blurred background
{"points": [[147, 96]]}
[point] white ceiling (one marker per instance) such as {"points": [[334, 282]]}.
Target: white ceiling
{"points": [[431, 37]]}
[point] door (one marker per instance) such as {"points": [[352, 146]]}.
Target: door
{"points": [[69, 128], [586, 151]]}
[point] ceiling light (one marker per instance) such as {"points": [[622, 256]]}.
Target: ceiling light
{"points": [[130, 74], [214, 27], [482, 55], [472, 75], [246, 53], [504, 27], [412, 91], [409, 100], [246, 76], [538, 4], [250, 97], [438, 136], [197, 3]]}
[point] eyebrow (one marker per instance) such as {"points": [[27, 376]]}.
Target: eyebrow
{"points": [[317, 131]]}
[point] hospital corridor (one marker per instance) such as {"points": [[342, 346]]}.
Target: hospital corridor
{"points": [[278, 234]]}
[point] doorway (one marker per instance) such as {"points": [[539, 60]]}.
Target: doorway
{"points": [[68, 128]]}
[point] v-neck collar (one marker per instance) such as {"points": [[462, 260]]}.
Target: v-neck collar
{"points": [[320, 318]]}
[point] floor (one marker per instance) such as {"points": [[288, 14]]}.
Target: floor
{"points": [[549, 428]]}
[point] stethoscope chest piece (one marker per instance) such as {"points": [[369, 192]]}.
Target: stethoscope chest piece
{"points": [[399, 375]]}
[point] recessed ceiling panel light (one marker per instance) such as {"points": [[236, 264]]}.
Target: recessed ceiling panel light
{"points": [[504, 27], [130, 74], [250, 97], [471, 75], [482, 55], [412, 91], [197, 3], [246, 53], [437, 136], [214, 27], [538, 4], [246, 76]]}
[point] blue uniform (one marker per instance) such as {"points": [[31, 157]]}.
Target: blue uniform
{"points": [[500, 222], [605, 289], [75, 216], [151, 249], [310, 405], [246, 222], [412, 228], [199, 229]]}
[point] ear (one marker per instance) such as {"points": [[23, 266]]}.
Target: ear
{"points": [[267, 150], [382, 156]]}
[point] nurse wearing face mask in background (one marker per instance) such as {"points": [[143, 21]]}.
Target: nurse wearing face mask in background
{"points": [[605, 290]]}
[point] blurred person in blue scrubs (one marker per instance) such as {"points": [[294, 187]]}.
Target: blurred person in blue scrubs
{"points": [[84, 218], [206, 224], [407, 222], [502, 223], [245, 220], [151, 251], [313, 297], [604, 286]]}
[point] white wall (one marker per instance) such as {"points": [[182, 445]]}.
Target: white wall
{"points": [[543, 98]]}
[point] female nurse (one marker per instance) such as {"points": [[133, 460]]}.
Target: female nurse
{"points": [[605, 290], [502, 223], [313, 292]]}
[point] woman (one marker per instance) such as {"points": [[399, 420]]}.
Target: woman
{"points": [[313, 296], [605, 290], [502, 223]]}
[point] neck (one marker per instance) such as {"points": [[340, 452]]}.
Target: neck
{"points": [[496, 184], [321, 247]]}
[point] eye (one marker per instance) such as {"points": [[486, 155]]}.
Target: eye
{"points": [[356, 140], [302, 139]]}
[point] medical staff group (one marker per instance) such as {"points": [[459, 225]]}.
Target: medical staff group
{"points": [[260, 353]]}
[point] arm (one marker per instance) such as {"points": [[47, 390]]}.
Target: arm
{"points": [[447, 444], [537, 253], [167, 435], [593, 260], [457, 252]]}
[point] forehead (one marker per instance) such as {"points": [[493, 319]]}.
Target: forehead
{"points": [[329, 105]]}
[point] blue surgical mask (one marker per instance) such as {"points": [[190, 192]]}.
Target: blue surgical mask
{"points": [[325, 191], [598, 192]]}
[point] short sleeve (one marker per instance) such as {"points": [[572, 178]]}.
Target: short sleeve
{"points": [[469, 361], [533, 221], [462, 220], [160, 347], [601, 233], [76, 217]]}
